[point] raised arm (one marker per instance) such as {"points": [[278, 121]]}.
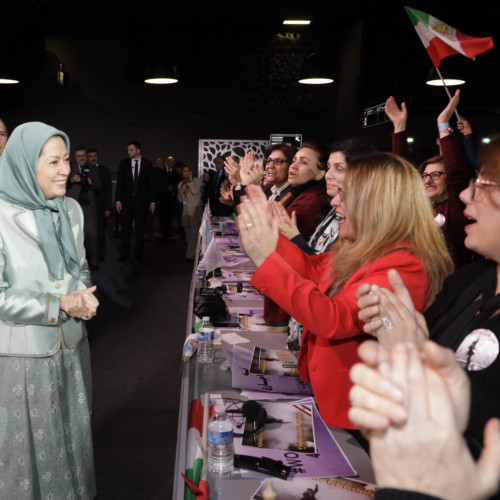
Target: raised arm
{"points": [[398, 116], [457, 171]]}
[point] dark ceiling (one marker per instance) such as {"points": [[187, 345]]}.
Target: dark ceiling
{"points": [[237, 58]]}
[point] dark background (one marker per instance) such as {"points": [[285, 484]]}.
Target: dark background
{"points": [[238, 68]]}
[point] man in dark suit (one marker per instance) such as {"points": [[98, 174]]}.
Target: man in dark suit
{"points": [[104, 200], [134, 197], [173, 180], [163, 198], [217, 208], [83, 185]]}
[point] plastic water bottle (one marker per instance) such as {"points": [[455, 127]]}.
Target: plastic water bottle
{"points": [[220, 443], [201, 276], [206, 341]]}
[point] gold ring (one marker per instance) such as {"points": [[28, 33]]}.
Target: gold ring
{"points": [[249, 225]]}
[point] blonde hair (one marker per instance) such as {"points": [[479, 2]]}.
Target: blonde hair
{"points": [[389, 209]]}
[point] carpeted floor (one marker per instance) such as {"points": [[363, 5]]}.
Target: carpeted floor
{"points": [[136, 347]]}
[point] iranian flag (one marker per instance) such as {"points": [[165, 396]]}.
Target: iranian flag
{"points": [[195, 477], [441, 40]]}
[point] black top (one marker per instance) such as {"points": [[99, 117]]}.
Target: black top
{"points": [[464, 317]]}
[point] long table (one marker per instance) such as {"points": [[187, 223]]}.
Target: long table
{"points": [[200, 379]]}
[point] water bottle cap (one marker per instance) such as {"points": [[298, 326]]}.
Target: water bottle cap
{"points": [[220, 409]]}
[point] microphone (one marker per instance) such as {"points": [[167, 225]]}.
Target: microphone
{"points": [[254, 412]]}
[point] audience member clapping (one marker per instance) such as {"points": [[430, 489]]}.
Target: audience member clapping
{"points": [[464, 315], [377, 231], [412, 406]]}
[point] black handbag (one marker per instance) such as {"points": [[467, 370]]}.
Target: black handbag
{"points": [[210, 303]]}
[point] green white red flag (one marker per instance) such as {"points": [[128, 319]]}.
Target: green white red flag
{"points": [[441, 40], [195, 477]]}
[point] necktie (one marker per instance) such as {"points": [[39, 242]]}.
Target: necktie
{"points": [[136, 176]]}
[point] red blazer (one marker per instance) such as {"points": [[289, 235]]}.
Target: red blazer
{"points": [[299, 282], [310, 206]]}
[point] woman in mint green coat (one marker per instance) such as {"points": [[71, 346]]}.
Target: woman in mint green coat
{"points": [[45, 292]]}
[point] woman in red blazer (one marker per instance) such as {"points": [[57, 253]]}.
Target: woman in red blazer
{"points": [[388, 223]]}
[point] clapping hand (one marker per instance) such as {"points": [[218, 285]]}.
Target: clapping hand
{"points": [[257, 227], [232, 168], [249, 172], [391, 317], [415, 450], [287, 225]]}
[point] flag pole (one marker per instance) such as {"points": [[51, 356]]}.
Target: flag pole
{"points": [[446, 88]]}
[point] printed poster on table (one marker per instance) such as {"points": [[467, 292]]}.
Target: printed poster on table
{"points": [[240, 290], [296, 434], [232, 275], [266, 370], [292, 431], [316, 488]]}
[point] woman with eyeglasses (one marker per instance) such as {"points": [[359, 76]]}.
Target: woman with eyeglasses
{"points": [[278, 159], [273, 177], [377, 231], [465, 315], [445, 176]]}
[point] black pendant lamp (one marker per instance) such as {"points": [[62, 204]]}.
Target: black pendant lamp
{"points": [[161, 71], [316, 70]]}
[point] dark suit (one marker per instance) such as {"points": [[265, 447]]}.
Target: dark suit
{"points": [[164, 199], [86, 194], [135, 199], [216, 207], [104, 204]]}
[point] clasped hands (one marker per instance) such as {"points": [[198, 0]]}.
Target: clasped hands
{"points": [[80, 303]]}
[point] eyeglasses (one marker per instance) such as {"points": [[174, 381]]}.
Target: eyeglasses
{"points": [[276, 161], [481, 184], [433, 175]]}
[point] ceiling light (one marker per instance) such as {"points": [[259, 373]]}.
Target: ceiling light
{"points": [[8, 77], [452, 71], [297, 22], [161, 72], [316, 70], [449, 82]]}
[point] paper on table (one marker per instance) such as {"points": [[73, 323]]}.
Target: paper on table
{"points": [[249, 372], [318, 488], [233, 338], [274, 396], [213, 258], [329, 459]]}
